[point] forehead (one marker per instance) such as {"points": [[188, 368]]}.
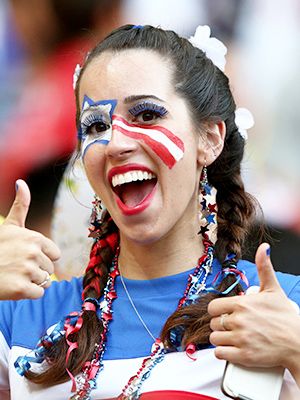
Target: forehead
{"points": [[118, 75]]}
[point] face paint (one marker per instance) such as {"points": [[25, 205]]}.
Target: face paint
{"points": [[164, 143], [95, 122]]}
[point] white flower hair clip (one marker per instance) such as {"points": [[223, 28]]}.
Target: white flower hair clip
{"points": [[244, 120], [76, 75], [213, 48]]}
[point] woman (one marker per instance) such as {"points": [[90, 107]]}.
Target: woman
{"points": [[156, 127]]}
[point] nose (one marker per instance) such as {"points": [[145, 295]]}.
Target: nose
{"points": [[120, 146]]}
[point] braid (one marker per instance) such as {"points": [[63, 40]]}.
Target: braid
{"points": [[94, 282], [101, 256], [236, 210], [235, 215]]}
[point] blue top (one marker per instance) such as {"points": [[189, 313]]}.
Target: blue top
{"points": [[24, 322]]}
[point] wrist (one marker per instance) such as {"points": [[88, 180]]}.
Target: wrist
{"points": [[293, 358]]}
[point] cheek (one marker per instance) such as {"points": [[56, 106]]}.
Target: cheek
{"points": [[90, 143], [162, 141], [93, 162]]}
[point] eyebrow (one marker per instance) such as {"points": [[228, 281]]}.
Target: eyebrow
{"points": [[131, 99]]}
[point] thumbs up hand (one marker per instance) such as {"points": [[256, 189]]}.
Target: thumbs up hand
{"points": [[260, 329], [26, 257]]}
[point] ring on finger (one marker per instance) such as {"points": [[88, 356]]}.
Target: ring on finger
{"points": [[45, 281], [223, 321]]}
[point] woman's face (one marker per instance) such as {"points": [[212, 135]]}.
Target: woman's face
{"points": [[139, 147]]}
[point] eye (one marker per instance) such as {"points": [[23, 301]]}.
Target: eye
{"points": [[148, 112], [97, 127], [94, 124], [148, 116]]}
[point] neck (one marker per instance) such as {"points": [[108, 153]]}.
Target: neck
{"points": [[177, 252]]}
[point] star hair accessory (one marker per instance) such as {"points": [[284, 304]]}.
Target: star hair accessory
{"points": [[244, 120], [213, 48], [76, 75], [208, 209]]}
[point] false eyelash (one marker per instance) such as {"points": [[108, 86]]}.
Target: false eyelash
{"points": [[148, 106], [90, 120]]}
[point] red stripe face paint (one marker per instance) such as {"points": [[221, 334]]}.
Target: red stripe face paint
{"points": [[163, 142]]}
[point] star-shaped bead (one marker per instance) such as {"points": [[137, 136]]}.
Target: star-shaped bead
{"points": [[207, 189], [203, 204], [194, 279], [112, 295], [212, 207], [104, 306], [207, 268], [203, 230], [210, 219]]}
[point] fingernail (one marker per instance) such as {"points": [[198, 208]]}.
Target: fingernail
{"points": [[17, 187], [268, 251]]}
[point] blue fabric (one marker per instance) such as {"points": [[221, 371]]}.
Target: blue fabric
{"points": [[24, 322]]}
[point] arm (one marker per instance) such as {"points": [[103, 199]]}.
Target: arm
{"points": [[262, 329]]}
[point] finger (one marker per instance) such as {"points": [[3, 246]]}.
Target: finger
{"points": [[226, 338], [24, 290], [45, 263], [229, 353], [18, 212], [40, 277], [34, 258], [50, 249], [266, 273], [222, 306], [34, 291], [220, 323]]}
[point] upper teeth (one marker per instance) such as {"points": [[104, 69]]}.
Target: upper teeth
{"points": [[131, 176]]}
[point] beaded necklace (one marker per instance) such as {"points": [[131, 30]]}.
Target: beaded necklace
{"points": [[86, 381]]}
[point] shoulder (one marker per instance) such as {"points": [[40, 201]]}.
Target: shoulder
{"points": [[22, 322], [289, 283]]}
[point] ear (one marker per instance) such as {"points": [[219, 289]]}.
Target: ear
{"points": [[211, 142]]}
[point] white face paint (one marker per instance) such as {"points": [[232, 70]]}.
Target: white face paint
{"points": [[95, 123]]}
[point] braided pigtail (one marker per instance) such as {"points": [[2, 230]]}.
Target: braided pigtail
{"points": [[236, 208], [235, 216], [82, 331]]}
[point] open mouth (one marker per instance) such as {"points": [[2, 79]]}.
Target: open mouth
{"points": [[134, 190]]}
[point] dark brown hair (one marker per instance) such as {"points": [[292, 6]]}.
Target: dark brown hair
{"points": [[208, 95]]}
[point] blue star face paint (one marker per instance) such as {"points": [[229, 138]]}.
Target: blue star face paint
{"points": [[95, 122]]}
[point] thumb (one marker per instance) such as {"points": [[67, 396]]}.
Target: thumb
{"points": [[19, 210], [266, 273]]}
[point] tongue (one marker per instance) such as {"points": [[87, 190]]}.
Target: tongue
{"points": [[135, 192]]}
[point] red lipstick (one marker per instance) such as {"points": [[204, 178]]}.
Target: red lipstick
{"points": [[122, 169], [143, 192]]}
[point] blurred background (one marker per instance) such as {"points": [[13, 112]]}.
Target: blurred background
{"points": [[41, 41]]}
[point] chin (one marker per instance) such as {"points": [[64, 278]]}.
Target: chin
{"points": [[146, 234]]}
